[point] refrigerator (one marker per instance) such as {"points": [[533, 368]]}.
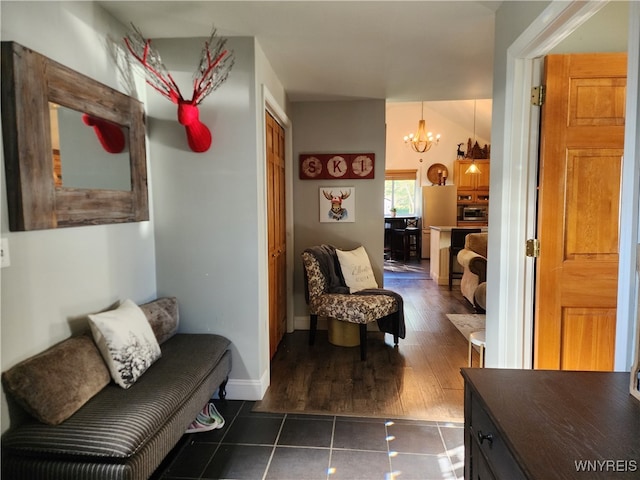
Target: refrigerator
{"points": [[439, 208]]}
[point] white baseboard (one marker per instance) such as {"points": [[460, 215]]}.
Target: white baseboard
{"points": [[247, 389], [302, 323], [239, 389]]}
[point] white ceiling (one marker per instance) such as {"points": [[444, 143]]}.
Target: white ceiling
{"points": [[321, 50]]}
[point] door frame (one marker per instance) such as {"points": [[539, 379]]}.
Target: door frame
{"points": [[270, 105], [510, 302]]}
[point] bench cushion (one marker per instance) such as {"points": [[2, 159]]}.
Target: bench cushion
{"points": [[117, 423]]}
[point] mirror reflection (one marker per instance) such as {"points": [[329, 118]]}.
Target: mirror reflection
{"points": [[88, 152], [94, 139]]}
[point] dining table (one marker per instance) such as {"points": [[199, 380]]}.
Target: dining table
{"points": [[394, 223]]}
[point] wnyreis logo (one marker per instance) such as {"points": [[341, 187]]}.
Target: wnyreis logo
{"points": [[606, 466]]}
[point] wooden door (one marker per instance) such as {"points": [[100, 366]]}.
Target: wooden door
{"points": [[276, 232], [581, 150]]}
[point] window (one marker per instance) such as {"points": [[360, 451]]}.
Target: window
{"points": [[400, 191]]}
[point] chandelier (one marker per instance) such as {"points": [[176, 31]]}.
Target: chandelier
{"points": [[421, 141]]}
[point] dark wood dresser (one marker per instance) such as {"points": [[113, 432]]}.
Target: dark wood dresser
{"points": [[545, 425]]}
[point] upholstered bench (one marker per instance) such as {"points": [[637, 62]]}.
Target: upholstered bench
{"points": [[75, 432]]}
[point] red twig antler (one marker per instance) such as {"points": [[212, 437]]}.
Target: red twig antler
{"points": [[215, 64], [155, 72], [213, 70]]}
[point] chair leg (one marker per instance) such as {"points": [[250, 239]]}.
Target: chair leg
{"points": [[395, 339], [222, 391], [313, 325], [405, 247], [450, 270], [363, 341]]}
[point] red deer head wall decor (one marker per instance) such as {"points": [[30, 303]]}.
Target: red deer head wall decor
{"points": [[109, 134], [215, 64]]}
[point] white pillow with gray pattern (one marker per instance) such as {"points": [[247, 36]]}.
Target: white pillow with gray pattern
{"points": [[126, 341]]}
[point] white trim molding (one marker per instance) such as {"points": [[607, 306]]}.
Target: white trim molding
{"points": [[628, 287], [238, 389], [511, 280]]}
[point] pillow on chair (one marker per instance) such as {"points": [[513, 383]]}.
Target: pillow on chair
{"points": [[356, 269]]}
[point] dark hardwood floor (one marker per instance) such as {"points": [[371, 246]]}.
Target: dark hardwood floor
{"points": [[419, 379]]}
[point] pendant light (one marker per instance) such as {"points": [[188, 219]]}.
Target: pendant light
{"points": [[473, 168], [421, 141]]}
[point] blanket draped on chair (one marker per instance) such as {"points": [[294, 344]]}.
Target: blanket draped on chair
{"points": [[330, 267]]}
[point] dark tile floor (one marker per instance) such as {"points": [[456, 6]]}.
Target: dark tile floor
{"points": [[295, 447]]}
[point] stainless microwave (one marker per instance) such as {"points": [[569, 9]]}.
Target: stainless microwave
{"points": [[474, 213]]}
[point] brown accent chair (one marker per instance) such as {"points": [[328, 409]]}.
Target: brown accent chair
{"points": [[458, 238], [473, 259]]}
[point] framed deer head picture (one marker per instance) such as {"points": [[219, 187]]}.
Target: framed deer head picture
{"points": [[337, 204]]}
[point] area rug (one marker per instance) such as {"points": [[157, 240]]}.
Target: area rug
{"points": [[466, 323]]}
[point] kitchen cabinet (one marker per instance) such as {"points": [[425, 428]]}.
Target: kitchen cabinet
{"points": [[469, 197], [472, 189], [477, 181]]}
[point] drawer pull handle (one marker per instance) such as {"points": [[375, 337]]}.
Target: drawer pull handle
{"points": [[485, 436]]}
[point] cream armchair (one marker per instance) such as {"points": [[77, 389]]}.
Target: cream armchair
{"points": [[473, 259]]}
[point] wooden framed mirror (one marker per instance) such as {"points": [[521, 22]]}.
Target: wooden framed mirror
{"points": [[51, 185]]}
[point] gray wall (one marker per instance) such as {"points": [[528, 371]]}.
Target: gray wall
{"points": [[206, 207], [207, 242], [606, 31], [58, 276], [210, 208], [512, 18], [338, 127]]}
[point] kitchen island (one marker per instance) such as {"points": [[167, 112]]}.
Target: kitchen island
{"points": [[440, 243]]}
